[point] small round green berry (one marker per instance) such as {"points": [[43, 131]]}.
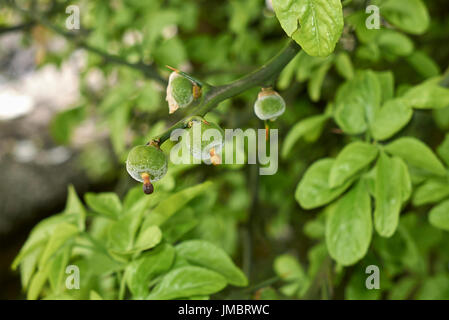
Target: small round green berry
{"points": [[146, 164], [179, 92], [269, 105]]}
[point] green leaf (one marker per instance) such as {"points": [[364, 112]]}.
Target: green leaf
{"points": [[107, 204], [315, 84], [148, 266], [390, 119], [299, 130], [357, 102], [424, 64], [395, 43], [431, 191], [439, 216], [208, 255], [353, 158], [75, 207], [386, 81], [349, 226], [28, 265], [61, 234], [289, 269], [388, 195], [428, 95], [58, 265], [172, 204], [313, 190], [406, 181], [148, 238], [408, 15], [316, 25], [416, 154], [121, 233], [186, 282], [443, 149], [37, 283], [344, 65]]}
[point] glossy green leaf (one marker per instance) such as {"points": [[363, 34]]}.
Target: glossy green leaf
{"points": [[349, 226], [316, 25], [299, 130], [313, 190], [186, 282], [107, 204], [388, 195], [390, 119], [416, 154], [208, 255], [353, 158]]}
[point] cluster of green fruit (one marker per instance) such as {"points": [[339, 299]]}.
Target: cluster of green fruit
{"points": [[148, 163]]}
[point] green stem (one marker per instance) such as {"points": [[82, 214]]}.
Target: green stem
{"points": [[265, 74]]}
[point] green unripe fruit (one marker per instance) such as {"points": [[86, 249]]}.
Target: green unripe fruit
{"points": [[179, 92], [205, 140], [269, 105], [145, 164]]}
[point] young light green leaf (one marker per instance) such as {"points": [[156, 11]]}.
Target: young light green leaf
{"points": [[443, 150], [148, 238], [313, 190], [408, 15], [439, 216], [38, 282], [208, 255], [423, 64], [386, 81], [299, 130], [58, 264], [344, 66], [315, 84], [148, 266], [353, 158], [357, 102], [186, 282], [172, 204], [290, 270], [428, 95], [316, 25], [63, 233], [406, 181], [395, 43], [75, 207], [416, 154], [390, 119], [349, 226], [431, 191], [107, 204], [388, 195]]}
